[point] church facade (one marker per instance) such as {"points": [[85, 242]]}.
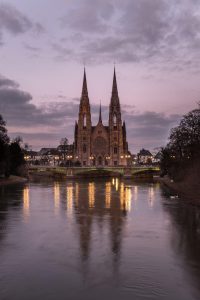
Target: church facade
{"points": [[100, 145]]}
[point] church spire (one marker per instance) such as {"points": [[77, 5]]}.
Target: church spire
{"points": [[114, 87], [115, 96], [100, 117], [84, 89]]}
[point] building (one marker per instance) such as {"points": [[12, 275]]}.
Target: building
{"points": [[145, 157], [101, 145]]}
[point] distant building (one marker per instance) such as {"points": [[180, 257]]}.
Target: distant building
{"points": [[49, 156], [101, 145], [157, 158], [145, 157]]}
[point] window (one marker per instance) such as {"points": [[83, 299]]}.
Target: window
{"points": [[115, 150], [115, 163], [84, 163], [114, 120], [84, 148], [84, 121]]}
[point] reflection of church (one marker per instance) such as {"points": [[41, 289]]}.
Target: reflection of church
{"points": [[101, 145], [105, 204]]}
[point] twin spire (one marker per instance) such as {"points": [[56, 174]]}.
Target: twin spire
{"points": [[114, 98]]}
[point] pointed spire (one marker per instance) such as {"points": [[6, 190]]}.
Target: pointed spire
{"points": [[114, 87], [84, 89], [114, 96], [100, 117]]}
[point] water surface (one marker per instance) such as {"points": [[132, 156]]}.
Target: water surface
{"points": [[97, 240]]}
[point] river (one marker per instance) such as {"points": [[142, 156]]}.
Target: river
{"points": [[97, 239]]}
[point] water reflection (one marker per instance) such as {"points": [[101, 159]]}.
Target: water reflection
{"points": [[108, 194], [10, 200], [26, 203], [92, 206], [69, 199], [95, 244], [185, 234], [56, 196], [91, 194]]}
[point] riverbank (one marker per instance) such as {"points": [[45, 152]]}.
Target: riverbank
{"points": [[187, 190], [12, 180]]}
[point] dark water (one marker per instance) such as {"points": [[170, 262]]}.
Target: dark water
{"points": [[97, 240]]}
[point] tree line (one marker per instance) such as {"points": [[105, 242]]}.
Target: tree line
{"points": [[11, 153], [182, 153]]}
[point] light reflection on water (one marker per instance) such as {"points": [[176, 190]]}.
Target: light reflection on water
{"points": [[97, 239]]}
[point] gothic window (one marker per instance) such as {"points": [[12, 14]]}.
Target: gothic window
{"points": [[115, 121], [115, 163], [84, 148], [84, 121], [115, 150]]}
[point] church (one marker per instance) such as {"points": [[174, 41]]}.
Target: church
{"points": [[100, 145]]}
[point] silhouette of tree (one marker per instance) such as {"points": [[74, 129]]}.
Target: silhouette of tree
{"points": [[4, 148], [64, 143], [183, 148], [16, 156]]}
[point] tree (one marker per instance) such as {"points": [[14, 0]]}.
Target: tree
{"points": [[183, 148], [4, 148], [64, 144], [16, 156]]}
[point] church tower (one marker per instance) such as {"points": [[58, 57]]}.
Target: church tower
{"points": [[100, 145], [84, 127], [116, 140]]}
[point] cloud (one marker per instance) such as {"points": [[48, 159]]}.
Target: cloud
{"points": [[15, 22], [46, 124], [149, 129], [160, 32], [5, 82], [89, 16]]}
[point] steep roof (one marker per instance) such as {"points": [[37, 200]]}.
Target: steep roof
{"points": [[144, 152]]}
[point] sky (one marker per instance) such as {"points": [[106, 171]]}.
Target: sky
{"points": [[45, 44]]}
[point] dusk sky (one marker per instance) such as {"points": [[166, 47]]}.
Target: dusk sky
{"points": [[44, 45]]}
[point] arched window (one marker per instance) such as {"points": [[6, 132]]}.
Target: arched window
{"points": [[84, 121], [115, 150], [84, 148], [115, 121]]}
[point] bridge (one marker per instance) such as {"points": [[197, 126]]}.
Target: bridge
{"points": [[127, 172]]}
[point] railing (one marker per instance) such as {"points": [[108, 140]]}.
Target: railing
{"points": [[84, 170]]}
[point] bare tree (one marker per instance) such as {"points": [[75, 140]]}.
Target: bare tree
{"points": [[64, 143]]}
